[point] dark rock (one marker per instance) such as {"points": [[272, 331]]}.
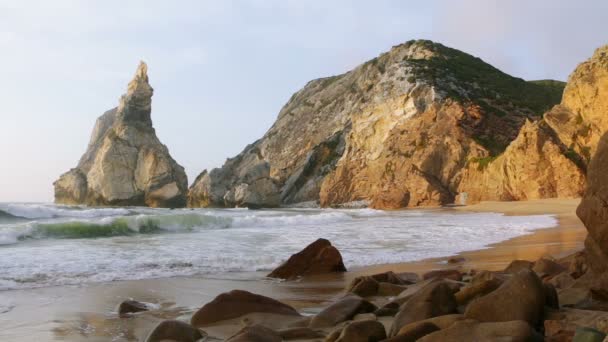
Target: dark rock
{"points": [[390, 309], [546, 267], [131, 306], [518, 265], [340, 311], [551, 298], [175, 331], [389, 290], [476, 289], [436, 299], [299, 334], [363, 331], [456, 260], [471, 330], [520, 298], [364, 286], [562, 280], [237, 303], [443, 274], [588, 335], [414, 331], [318, 257], [255, 333]]}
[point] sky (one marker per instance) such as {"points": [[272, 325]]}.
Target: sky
{"points": [[222, 70]]}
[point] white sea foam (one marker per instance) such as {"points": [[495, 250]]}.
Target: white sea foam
{"points": [[106, 245]]}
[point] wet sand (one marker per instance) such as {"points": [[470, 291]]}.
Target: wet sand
{"points": [[87, 312]]}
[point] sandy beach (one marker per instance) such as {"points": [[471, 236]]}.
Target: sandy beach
{"points": [[87, 312]]}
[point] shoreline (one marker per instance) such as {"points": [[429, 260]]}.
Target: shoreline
{"points": [[86, 312]]}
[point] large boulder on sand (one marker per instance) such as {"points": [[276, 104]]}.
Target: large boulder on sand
{"points": [[318, 257], [435, 299], [125, 163], [521, 298], [363, 331], [237, 303], [471, 330]]}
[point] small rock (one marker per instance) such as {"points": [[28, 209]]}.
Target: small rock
{"points": [[518, 265], [477, 289], [588, 335], [318, 257], [131, 306], [456, 260], [370, 316], [299, 334], [237, 303], [545, 267], [363, 286], [255, 333], [363, 331], [340, 311], [443, 274], [551, 298], [175, 331], [389, 290], [414, 331], [562, 280], [471, 330]]}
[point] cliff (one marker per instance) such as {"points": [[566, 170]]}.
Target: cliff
{"points": [[550, 156], [125, 163], [396, 131]]}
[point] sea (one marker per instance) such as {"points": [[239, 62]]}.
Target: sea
{"points": [[44, 245]]}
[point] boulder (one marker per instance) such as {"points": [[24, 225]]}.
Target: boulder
{"points": [[175, 331], [568, 320], [363, 331], [545, 267], [518, 265], [255, 333], [443, 274], [414, 331], [471, 330], [389, 290], [131, 306], [363, 286], [340, 311], [125, 163], [436, 299], [237, 303], [562, 280], [476, 289], [588, 335], [299, 334], [521, 298], [318, 257]]}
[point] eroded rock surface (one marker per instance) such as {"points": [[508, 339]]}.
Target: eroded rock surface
{"points": [[396, 131], [125, 163]]}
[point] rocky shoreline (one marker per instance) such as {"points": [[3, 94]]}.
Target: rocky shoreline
{"points": [[524, 302]]}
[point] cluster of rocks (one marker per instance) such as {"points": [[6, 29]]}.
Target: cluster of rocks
{"points": [[527, 301]]}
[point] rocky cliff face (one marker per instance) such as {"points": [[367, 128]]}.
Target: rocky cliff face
{"points": [[593, 210], [396, 131], [549, 157], [125, 163]]}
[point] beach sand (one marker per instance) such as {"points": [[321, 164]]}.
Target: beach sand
{"points": [[87, 313]]}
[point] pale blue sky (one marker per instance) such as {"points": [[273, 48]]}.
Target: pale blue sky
{"points": [[221, 70]]}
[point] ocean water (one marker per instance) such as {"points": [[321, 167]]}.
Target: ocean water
{"points": [[48, 245]]}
